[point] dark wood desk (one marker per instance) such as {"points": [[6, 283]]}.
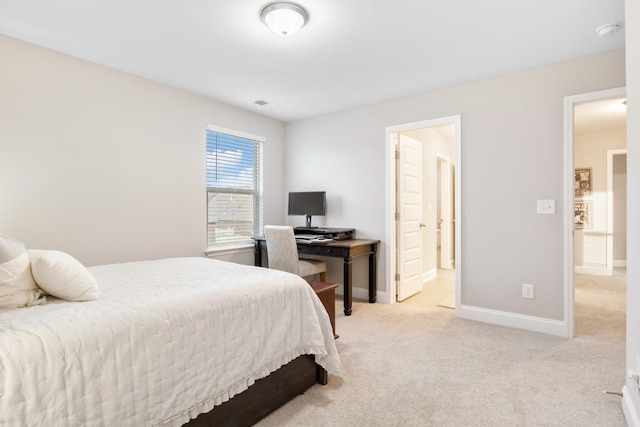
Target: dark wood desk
{"points": [[345, 249]]}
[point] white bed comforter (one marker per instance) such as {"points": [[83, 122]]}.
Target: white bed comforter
{"points": [[166, 340]]}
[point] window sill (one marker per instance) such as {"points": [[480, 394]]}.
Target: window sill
{"points": [[229, 250]]}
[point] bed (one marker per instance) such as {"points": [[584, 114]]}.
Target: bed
{"points": [[166, 341]]}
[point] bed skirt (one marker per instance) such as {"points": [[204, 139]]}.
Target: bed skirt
{"points": [[265, 396]]}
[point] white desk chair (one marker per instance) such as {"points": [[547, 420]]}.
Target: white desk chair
{"points": [[283, 253]]}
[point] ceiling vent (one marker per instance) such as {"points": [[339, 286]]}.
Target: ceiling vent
{"points": [[263, 103]]}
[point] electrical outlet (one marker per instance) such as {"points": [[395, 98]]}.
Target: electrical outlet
{"points": [[527, 291]]}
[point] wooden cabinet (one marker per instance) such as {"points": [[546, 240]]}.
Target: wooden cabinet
{"points": [[327, 294]]}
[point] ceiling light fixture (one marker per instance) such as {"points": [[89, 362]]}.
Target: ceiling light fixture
{"points": [[284, 18]]}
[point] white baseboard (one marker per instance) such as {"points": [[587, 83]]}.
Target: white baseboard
{"points": [[629, 410], [502, 318], [363, 294], [593, 271], [382, 296], [429, 275], [513, 320], [620, 263]]}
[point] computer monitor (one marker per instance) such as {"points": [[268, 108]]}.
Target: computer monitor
{"points": [[307, 203]]}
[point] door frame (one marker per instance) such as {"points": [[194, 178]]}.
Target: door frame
{"points": [[568, 196], [390, 282]]}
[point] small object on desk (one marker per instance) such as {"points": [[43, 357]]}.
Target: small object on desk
{"points": [[327, 232], [310, 238]]}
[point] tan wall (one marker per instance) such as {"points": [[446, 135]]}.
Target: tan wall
{"points": [[512, 155], [110, 167], [107, 166]]}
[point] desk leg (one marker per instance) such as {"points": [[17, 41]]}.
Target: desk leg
{"points": [[347, 286], [373, 284], [257, 256]]}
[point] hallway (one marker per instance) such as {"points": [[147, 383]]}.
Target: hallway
{"points": [[435, 291]]}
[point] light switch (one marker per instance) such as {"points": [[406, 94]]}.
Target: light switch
{"points": [[546, 207]]}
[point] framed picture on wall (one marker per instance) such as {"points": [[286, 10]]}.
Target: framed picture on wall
{"points": [[582, 214], [582, 182]]}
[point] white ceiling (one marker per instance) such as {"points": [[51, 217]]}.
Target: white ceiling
{"points": [[351, 53]]}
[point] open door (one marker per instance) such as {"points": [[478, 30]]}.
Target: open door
{"points": [[409, 210]]}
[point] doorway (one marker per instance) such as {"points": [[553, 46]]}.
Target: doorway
{"points": [[617, 208], [595, 134], [445, 208], [438, 225]]}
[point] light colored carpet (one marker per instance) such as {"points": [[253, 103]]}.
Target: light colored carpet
{"points": [[405, 365]]}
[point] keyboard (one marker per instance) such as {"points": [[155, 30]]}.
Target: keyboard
{"points": [[309, 236], [312, 238]]}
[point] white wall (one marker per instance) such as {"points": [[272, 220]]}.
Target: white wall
{"points": [[107, 166], [631, 400], [512, 155], [590, 151]]}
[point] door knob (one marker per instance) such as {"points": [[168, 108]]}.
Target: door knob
{"points": [[422, 225]]}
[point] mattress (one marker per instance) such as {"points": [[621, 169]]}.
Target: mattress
{"points": [[167, 340]]}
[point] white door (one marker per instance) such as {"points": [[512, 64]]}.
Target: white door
{"points": [[446, 220], [410, 215]]}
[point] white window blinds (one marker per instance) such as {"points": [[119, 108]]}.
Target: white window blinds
{"points": [[234, 189]]}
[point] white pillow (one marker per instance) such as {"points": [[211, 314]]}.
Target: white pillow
{"points": [[62, 276], [17, 288]]}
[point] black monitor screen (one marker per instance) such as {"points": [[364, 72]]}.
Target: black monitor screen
{"points": [[307, 203]]}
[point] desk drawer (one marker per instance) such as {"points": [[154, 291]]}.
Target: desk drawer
{"points": [[323, 251]]}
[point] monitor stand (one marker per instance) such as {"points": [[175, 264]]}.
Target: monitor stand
{"points": [[308, 221]]}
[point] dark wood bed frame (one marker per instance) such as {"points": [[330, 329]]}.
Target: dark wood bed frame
{"points": [[265, 396]]}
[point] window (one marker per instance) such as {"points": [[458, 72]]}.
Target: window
{"points": [[234, 188]]}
